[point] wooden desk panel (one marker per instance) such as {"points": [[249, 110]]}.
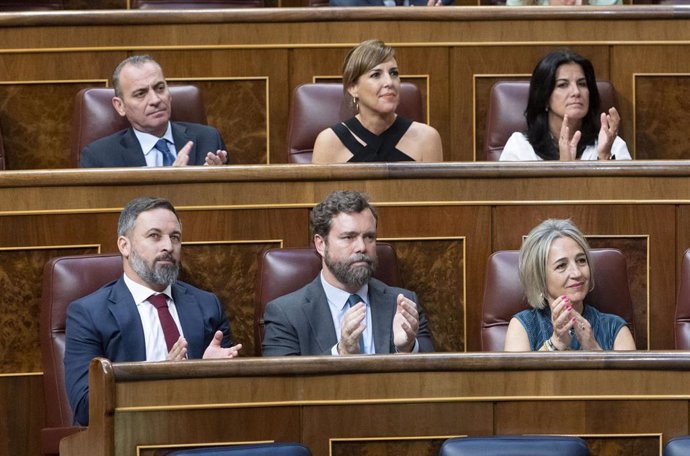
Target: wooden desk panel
{"points": [[368, 400]]}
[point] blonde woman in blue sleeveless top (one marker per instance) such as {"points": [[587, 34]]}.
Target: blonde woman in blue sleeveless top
{"points": [[556, 273]]}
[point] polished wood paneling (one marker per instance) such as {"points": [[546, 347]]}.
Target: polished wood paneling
{"points": [[36, 124], [21, 271], [661, 105], [21, 414], [237, 108], [425, 264], [336, 403]]}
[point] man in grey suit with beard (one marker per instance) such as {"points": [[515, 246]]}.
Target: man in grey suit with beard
{"points": [[344, 310], [142, 96]]}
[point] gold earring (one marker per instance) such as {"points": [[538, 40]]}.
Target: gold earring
{"points": [[355, 103]]}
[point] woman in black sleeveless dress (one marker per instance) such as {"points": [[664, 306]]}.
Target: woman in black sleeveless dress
{"points": [[376, 133]]}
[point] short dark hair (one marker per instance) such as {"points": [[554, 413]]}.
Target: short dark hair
{"points": [[131, 211], [135, 60], [341, 201], [541, 86]]}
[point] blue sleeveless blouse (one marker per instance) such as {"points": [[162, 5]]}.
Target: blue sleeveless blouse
{"points": [[537, 323]]}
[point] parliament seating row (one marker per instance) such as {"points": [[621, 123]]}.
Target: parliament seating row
{"points": [[314, 107], [285, 270]]}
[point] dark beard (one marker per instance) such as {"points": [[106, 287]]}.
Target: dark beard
{"points": [[156, 274], [349, 275]]}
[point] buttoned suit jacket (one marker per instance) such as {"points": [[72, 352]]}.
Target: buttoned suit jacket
{"points": [[122, 149], [107, 324], [300, 323]]}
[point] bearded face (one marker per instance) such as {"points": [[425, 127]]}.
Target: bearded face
{"points": [[355, 270], [162, 270]]}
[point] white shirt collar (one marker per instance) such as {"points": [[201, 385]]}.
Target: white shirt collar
{"points": [[337, 298], [141, 293], [147, 141]]}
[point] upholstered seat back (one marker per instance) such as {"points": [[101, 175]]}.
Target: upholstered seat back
{"points": [[283, 271], [259, 449], [515, 445], [682, 318], [506, 115], [95, 117], [318, 106], [504, 295], [65, 279], [679, 446]]}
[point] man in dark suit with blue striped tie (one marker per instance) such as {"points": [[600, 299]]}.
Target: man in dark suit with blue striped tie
{"points": [[142, 96]]}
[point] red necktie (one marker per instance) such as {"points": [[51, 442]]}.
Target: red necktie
{"points": [[170, 330]]}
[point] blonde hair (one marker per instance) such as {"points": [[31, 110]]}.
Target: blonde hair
{"points": [[535, 252]]}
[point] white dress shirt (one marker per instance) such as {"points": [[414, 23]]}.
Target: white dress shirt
{"points": [[337, 303], [156, 348], [153, 156]]}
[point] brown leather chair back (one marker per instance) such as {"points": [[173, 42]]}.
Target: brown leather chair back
{"points": [[94, 116], [282, 271], [191, 4], [65, 279], [318, 106], [32, 5], [506, 115], [682, 318], [504, 295]]}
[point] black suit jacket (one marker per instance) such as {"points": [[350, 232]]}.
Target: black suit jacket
{"points": [[300, 323], [107, 324], [122, 149]]}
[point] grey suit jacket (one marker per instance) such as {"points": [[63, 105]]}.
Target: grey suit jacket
{"points": [[300, 323], [122, 149], [106, 324]]}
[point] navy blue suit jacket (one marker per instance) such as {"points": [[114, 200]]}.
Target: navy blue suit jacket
{"points": [[106, 324], [300, 323], [123, 149]]}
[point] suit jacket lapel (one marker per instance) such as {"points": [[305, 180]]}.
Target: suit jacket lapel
{"points": [[182, 136], [317, 314], [191, 319], [383, 306], [124, 310], [131, 152]]}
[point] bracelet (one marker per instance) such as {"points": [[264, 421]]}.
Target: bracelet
{"points": [[549, 345]]}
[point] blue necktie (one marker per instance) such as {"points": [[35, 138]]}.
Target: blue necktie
{"points": [[168, 157], [351, 302]]}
